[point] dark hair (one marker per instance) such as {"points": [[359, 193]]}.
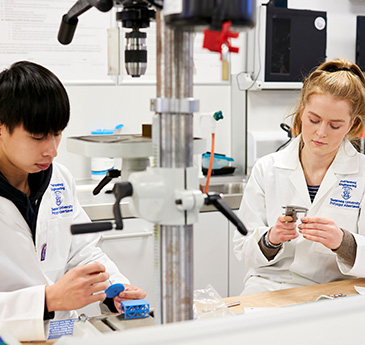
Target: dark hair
{"points": [[32, 96], [341, 79]]}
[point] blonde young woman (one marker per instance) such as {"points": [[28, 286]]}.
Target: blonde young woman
{"points": [[321, 171]]}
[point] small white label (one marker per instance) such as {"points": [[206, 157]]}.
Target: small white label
{"points": [[319, 23], [172, 7]]}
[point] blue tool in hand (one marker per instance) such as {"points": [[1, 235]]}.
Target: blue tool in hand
{"points": [[114, 290]]}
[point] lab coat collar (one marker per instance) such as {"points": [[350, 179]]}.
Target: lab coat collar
{"points": [[345, 161]]}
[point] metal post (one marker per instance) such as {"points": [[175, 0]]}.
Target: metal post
{"points": [[175, 150]]}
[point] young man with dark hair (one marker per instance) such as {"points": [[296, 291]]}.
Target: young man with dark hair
{"points": [[45, 272]]}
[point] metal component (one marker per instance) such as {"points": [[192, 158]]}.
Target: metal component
{"points": [[180, 106], [82, 317], [109, 324], [176, 259], [233, 304], [135, 53], [174, 150], [189, 200], [337, 295], [292, 211], [135, 15]]}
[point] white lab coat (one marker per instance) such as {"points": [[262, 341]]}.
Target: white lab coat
{"points": [[26, 269], [278, 180]]}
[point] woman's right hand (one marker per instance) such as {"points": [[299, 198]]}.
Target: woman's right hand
{"points": [[284, 230]]}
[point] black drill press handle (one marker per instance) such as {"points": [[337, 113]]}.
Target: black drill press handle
{"points": [[120, 191], [69, 20], [113, 173], [216, 200]]}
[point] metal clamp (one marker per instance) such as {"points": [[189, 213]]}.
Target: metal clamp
{"points": [[292, 211], [175, 105]]}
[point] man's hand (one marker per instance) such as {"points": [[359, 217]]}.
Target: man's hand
{"points": [[130, 293], [77, 288]]}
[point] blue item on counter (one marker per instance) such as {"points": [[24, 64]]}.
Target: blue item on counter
{"points": [[136, 309], [219, 161], [103, 131]]}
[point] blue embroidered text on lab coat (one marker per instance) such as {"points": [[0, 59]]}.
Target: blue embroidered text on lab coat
{"points": [[62, 209], [343, 203], [347, 188]]}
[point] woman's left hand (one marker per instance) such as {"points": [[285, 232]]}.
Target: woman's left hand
{"points": [[130, 293], [322, 230]]}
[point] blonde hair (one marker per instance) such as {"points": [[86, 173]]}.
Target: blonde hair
{"points": [[341, 79]]}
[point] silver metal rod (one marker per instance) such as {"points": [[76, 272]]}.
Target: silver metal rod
{"points": [[175, 150], [177, 273]]}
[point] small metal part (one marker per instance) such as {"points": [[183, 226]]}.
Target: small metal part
{"points": [[337, 295], [233, 304], [83, 318], [292, 211]]}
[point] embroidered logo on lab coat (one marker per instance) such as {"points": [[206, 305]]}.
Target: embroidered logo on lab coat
{"points": [[58, 195], [347, 189], [58, 189]]}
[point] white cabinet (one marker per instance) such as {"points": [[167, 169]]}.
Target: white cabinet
{"points": [[132, 251], [237, 271], [211, 238]]}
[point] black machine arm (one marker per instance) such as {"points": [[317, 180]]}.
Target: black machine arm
{"points": [[124, 189], [216, 200], [113, 173], [70, 20], [120, 191]]}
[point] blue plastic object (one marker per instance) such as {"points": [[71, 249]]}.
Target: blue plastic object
{"points": [[220, 161], [114, 290], [103, 132], [136, 309]]}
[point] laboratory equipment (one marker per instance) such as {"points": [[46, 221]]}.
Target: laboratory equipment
{"points": [[167, 193], [285, 45], [133, 15], [292, 211], [360, 42]]}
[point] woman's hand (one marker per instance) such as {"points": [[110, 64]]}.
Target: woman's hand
{"points": [[322, 230], [283, 231], [130, 293]]}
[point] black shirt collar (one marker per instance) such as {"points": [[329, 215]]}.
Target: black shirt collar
{"points": [[27, 206]]}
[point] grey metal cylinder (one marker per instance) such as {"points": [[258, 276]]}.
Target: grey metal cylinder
{"points": [[174, 150]]}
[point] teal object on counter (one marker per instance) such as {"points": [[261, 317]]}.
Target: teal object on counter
{"points": [[219, 161]]}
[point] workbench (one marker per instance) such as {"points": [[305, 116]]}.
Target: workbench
{"points": [[275, 299]]}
